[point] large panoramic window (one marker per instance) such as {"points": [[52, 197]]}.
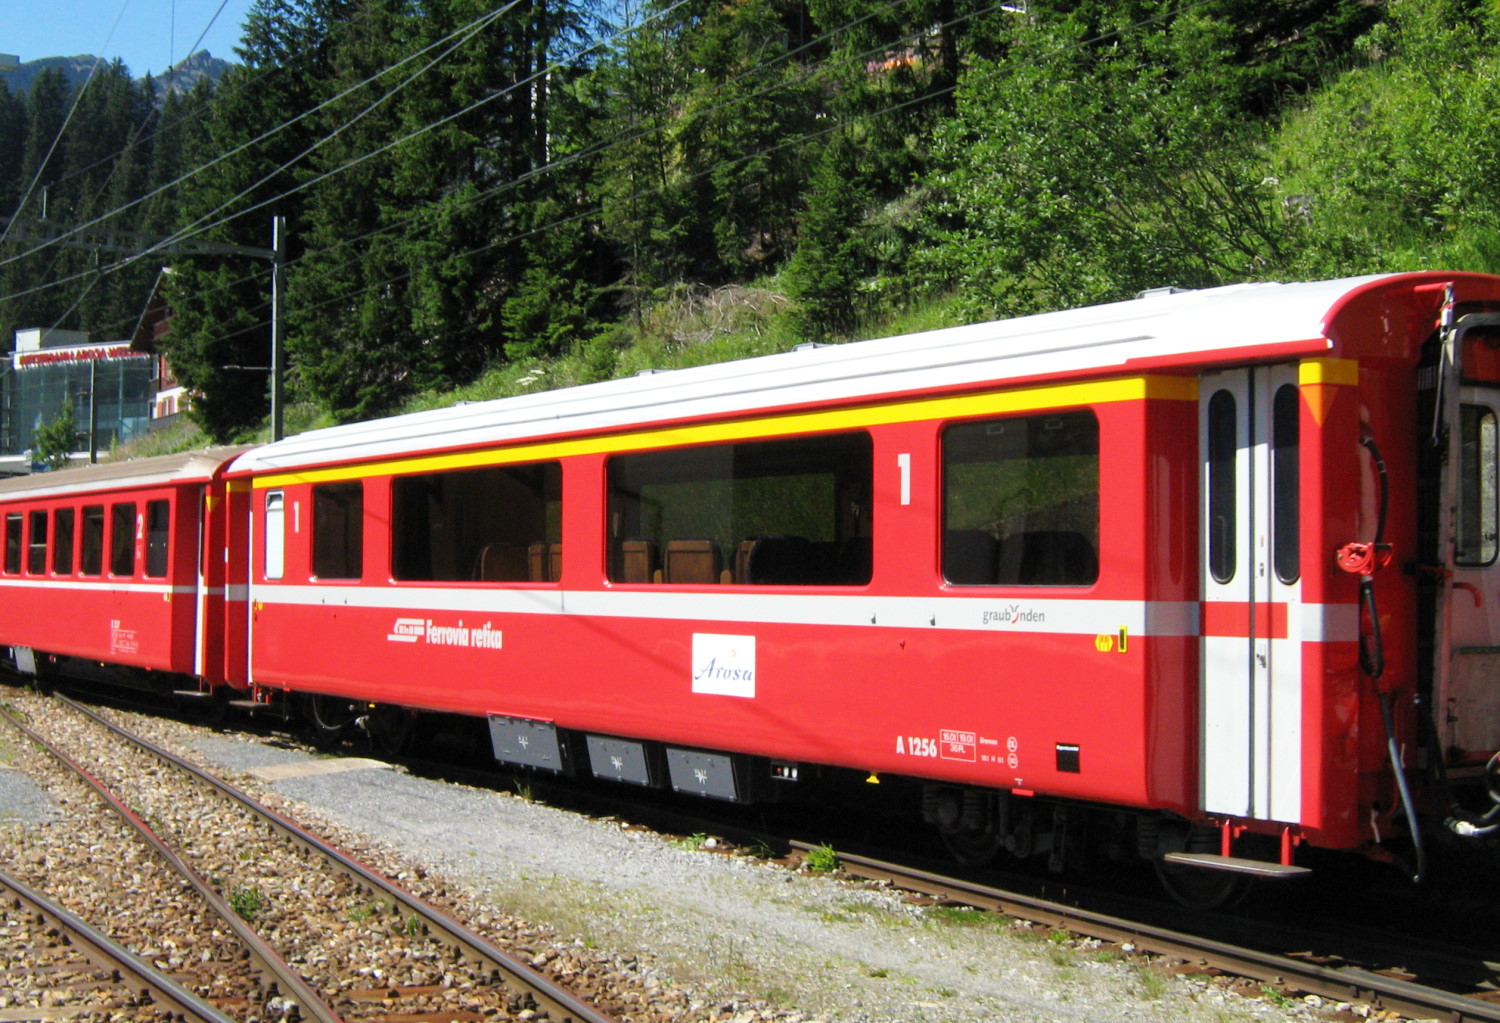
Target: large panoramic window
{"points": [[338, 530], [496, 524], [1021, 501], [783, 512]]}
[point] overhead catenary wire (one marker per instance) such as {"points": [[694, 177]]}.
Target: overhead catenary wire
{"points": [[57, 139], [511, 239], [134, 138], [604, 146], [199, 227], [264, 136], [595, 151]]}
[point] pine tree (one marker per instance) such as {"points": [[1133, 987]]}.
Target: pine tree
{"points": [[220, 339]]}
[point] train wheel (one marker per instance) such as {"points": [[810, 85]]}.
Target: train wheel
{"points": [[1195, 887], [1200, 887], [329, 717], [391, 728], [973, 847]]}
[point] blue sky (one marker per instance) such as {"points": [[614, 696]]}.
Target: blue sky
{"points": [[148, 35]]}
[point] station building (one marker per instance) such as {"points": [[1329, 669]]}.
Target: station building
{"points": [[121, 387]]}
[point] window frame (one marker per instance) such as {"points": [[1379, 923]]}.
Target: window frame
{"points": [[158, 561], [1478, 473], [811, 528], [124, 523], [64, 540], [36, 552], [346, 559], [275, 542], [1221, 497], [1065, 549], [91, 541], [15, 541], [518, 541]]}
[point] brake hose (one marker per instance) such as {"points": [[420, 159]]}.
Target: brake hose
{"points": [[1372, 660]]}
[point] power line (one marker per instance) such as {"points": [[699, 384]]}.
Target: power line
{"points": [[198, 227], [642, 193], [270, 133], [620, 140]]}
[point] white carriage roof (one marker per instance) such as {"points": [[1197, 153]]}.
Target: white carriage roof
{"points": [[1092, 339], [186, 467]]}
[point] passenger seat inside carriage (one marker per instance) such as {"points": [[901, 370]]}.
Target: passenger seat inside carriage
{"points": [[692, 562], [502, 563], [774, 559], [971, 557], [639, 562]]}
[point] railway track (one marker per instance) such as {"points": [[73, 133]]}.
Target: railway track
{"points": [[56, 964], [1331, 976], [1405, 994], [331, 940], [1433, 981]]}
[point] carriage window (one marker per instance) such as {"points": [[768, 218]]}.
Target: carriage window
{"points": [[1223, 421], [338, 530], [783, 512], [122, 539], [500, 524], [275, 534], [92, 559], [1285, 457], [36, 543], [62, 541], [13, 543], [158, 530], [1478, 538], [1021, 501]]}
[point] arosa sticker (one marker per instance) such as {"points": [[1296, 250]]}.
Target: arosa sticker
{"points": [[723, 665], [431, 633]]}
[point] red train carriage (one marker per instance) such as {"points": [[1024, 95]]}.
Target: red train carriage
{"points": [[1123, 556], [117, 571], [1219, 565]]}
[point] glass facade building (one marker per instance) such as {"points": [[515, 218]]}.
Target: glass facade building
{"points": [[110, 384]]}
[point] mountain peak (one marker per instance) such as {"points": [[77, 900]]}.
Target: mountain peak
{"points": [[181, 77]]}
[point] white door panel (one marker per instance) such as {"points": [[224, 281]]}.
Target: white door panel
{"points": [[1251, 692]]}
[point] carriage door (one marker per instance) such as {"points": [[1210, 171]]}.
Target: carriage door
{"points": [[1250, 736], [1468, 704]]}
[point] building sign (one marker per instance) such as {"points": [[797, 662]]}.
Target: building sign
{"points": [[77, 355]]}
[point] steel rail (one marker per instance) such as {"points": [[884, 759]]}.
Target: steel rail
{"points": [[267, 960], [1344, 983], [561, 1005], [106, 953]]}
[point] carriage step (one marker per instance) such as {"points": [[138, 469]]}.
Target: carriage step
{"points": [[192, 694], [1237, 864], [252, 705]]}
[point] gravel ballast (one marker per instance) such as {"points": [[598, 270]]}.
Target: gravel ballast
{"points": [[721, 937]]}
